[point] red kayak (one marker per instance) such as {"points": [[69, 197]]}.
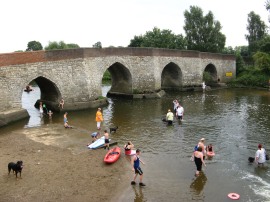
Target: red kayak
{"points": [[112, 155]]}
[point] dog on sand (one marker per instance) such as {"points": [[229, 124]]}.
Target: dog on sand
{"points": [[16, 168], [113, 129]]}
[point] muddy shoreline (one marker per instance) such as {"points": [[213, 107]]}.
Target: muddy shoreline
{"points": [[53, 173]]}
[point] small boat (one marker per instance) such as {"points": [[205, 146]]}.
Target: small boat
{"points": [[112, 155], [210, 153], [98, 143]]}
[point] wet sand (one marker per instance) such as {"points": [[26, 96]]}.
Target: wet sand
{"points": [[52, 173]]}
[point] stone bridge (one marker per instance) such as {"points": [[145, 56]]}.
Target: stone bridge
{"points": [[76, 75]]}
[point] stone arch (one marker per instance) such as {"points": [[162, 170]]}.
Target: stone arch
{"points": [[171, 77], [212, 71], [121, 79], [49, 92]]}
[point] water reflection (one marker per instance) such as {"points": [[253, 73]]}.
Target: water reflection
{"points": [[197, 185], [28, 101], [138, 194]]}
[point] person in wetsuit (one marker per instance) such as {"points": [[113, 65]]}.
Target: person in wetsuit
{"points": [[198, 159]]}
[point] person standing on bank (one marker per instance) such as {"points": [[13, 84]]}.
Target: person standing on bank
{"points": [[99, 118], [260, 155], [107, 140], [169, 117], [65, 117], [135, 162]]}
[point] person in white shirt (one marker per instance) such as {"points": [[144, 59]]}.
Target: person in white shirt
{"points": [[180, 112], [203, 86], [260, 155]]}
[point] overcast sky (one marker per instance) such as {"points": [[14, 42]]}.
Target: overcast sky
{"points": [[113, 22]]}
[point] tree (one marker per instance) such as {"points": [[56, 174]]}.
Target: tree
{"points": [[159, 39], [256, 31], [54, 45], [203, 33], [72, 45], [97, 45], [136, 41], [34, 46], [262, 61], [228, 50]]}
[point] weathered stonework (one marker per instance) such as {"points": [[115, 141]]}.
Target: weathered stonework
{"points": [[76, 74]]}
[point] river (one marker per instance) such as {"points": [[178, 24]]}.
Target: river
{"points": [[233, 120]]}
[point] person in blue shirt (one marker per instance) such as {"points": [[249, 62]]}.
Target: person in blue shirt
{"points": [[135, 162]]}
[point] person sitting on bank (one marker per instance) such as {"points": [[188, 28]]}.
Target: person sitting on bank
{"points": [[95, 136], [66, 125], [128, 148]]}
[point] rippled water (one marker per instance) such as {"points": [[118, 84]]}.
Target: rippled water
{"points": [[233, 120]]}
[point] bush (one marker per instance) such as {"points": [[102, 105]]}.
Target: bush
{"points": [[106, 77], [251, 78]]}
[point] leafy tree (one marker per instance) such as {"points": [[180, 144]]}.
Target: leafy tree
{"points": [[203, 33], [262, 61], [228, 50], [97, 45], [243, 50], [72, 45], [34, 46], [54, 45], [159, 39], [264, 44], [240, 64], [256, 31], [267, 6], [136, 42]]}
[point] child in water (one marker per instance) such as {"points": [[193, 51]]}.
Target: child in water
{"points": [[210, 148]]}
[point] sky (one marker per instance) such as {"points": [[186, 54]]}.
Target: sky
{"points": [[114, 22]]}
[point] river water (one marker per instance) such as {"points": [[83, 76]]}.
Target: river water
{"points": [[233, 120]]}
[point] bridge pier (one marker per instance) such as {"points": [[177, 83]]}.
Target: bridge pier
{"points": [[13, 115], [157, 94], [54, 106]]}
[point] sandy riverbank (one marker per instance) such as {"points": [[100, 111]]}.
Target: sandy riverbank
{"points": [[53, 173]]}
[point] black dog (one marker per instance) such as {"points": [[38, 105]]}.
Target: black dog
{"points": [[16, 167], [251, 159], [113, 129]]}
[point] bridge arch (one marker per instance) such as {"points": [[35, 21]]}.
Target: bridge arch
{"points": [[211, 74], [121, 79], [49, 92], [171, 77]]}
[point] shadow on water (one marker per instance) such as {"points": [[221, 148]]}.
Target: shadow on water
{"points": [[197, 186]]}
